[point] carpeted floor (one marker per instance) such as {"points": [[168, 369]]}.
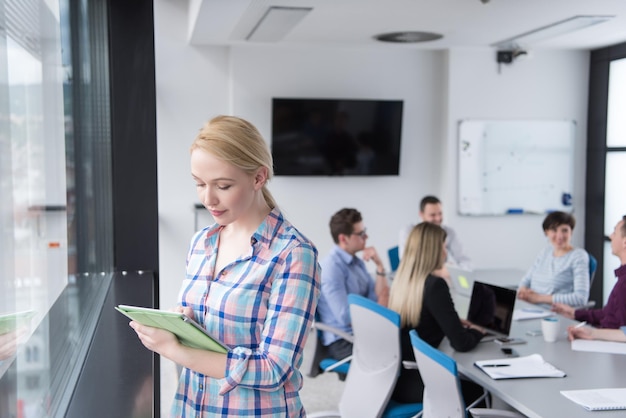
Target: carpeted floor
{"points": [[321, 393]]}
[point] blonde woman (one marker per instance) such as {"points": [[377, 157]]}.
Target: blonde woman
{"points": [[424, 303], [252, 281]]}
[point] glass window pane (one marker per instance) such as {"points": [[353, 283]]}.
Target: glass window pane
{"points": [[55, 212], [615, 200], [614, 209], [37, 200], [616, 122], [38, 165]]}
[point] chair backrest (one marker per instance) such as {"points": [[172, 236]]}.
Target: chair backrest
{"points": [[320, 361], [442, 386], [376, 359], [394, 257], [593, 266]]}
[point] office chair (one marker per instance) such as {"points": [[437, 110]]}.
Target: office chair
{"points": [[442, 385], [593, 266], [321, 362], [394, 258], [376, 362]]}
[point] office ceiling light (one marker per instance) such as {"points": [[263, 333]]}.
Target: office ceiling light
{"points": [[549, 31], [408, 37], [276, 23]]}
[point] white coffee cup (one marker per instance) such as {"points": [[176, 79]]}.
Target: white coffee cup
{"points": [[551, 327]]}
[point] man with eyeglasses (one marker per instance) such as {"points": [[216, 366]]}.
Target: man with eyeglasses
{"points": [[344, 273]]}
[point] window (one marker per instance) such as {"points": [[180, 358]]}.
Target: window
{"points": [[606, 160], [615, 200], [616, 123], [55, 197]]}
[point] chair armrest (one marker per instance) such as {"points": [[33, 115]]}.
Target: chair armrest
{"points": [[494, 413], [338, 363], [324, 327], [409, 365]]}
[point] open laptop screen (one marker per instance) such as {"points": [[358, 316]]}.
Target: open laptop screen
{"points": [[492, 307]]}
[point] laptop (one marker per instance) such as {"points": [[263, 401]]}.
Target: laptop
{"points": [[492, 307]]}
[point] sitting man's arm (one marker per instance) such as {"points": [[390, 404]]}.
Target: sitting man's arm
{"points": [[381, 286]]}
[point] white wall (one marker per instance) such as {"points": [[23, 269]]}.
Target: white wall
{"points": [[439, 88], [386, 202], [195, 83], [546, 85], [192, 85]]}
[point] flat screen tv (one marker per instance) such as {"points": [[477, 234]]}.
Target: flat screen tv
{"points": [[336, 137]]}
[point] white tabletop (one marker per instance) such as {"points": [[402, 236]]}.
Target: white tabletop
{"points": [[540, 397]]}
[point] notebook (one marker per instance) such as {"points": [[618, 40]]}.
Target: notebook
{"points": [[518, 368], [188, 331], [599, 346], [598, 399], [492, 308]]}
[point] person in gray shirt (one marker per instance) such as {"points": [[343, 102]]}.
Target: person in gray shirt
{"points": [[431, 211]]}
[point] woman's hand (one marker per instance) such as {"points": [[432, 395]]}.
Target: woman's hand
{"points": [[158, 340], [564, 310], [10, 341], [522, 293], [185, 310], [531, 296], [584, 333]]}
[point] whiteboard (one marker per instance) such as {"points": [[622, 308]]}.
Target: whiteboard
{"points": [[513, 167]]}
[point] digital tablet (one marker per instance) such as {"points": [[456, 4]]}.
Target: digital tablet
{"points": [[188, 331], [13, 321]]}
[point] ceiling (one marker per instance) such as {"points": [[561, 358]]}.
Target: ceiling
{"points": [[463, 23]]}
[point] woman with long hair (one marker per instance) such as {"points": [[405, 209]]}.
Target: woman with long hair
{"points": [[424, 303], [252, 281]]}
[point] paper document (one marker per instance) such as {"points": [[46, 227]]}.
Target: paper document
{"points": [[530, 313], [599, 346], [598, 399], [520, 367]]}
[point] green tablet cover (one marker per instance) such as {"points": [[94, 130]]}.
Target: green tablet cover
{"points": [[13, 321], [188, 331]]}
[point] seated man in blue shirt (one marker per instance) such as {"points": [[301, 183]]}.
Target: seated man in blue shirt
{"points": [[344, 273]]}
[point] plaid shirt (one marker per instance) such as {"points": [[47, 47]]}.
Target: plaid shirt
{"points": [[261, 306]]}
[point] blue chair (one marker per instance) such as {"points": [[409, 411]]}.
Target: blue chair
{"points": [[593, 266], [394, 258], [442, 385], [375, 365]]}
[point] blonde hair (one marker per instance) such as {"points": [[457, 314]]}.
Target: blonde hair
{"points": [[423, 253], [237, 142]]}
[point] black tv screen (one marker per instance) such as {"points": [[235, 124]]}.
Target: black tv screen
{"points": [[336, 137]]}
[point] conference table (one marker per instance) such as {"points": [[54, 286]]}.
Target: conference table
{"points": [[540, 397]]}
